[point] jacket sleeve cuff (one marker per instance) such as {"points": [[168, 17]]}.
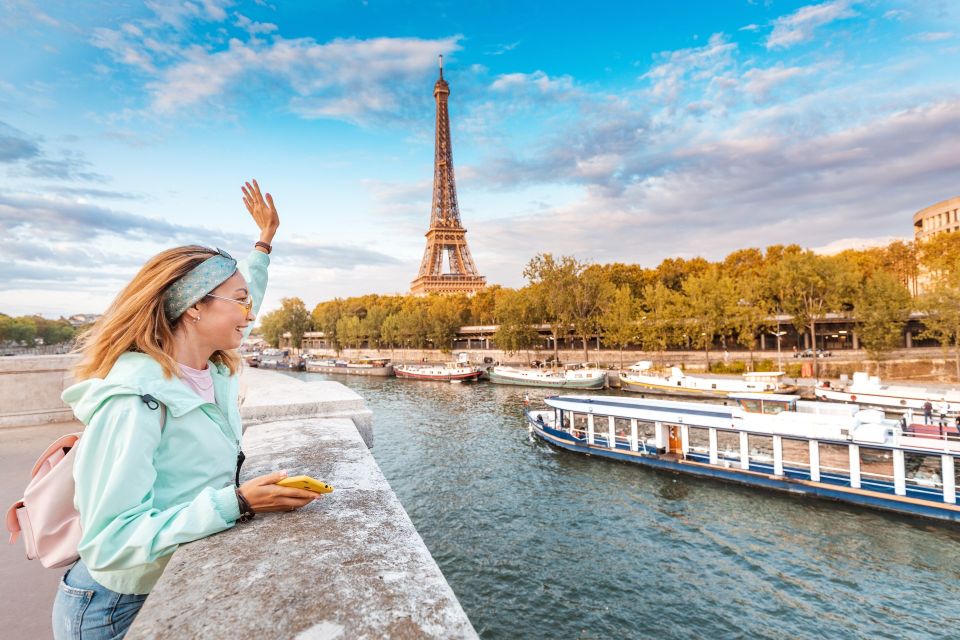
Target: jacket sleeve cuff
{"points": [[226, 503]]}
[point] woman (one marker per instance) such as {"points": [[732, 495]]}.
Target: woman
{"points": [[159, 461]]}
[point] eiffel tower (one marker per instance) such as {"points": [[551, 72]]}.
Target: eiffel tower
{"points": [[446, 238]]}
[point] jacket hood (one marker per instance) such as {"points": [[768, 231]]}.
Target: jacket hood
{"points": [[136, 374]]}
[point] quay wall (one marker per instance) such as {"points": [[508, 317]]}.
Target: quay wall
{"points": [[921, 364], [349, 565]]}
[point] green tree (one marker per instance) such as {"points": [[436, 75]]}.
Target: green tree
{"points": [[619, 321], [709, 308], [291, 317], [325, 317], [751, 315], [883, 308], [659, 319], [350, 331], [941, 303], [809, 286], [516, 313], [552, 282], [445, 315], [590, 294], [271, 327]]}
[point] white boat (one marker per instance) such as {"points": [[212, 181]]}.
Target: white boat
{"points": [[570, 378], [359, 366], [868, 390], [641, 379], [772, 441], [451, 372]]}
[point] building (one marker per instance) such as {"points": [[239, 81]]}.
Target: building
{"points": [[937, 218]]}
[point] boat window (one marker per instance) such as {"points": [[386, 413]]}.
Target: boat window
{"points": [[876, 468], [834, 462], [728, 445], [699, 440], [761, 449], [580, 425], [678, 383], [713, 386], [796, 454], [750, 406], [772, 408], [621, 427], [923, 472], [956, 473], [647, 432]]}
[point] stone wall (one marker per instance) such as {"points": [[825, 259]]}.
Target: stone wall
{"points": [[30, 388], [349, 565]]}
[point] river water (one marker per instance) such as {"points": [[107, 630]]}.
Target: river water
{"points": [[542, 543]]}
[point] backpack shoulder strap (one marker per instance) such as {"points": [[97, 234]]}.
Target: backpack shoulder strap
{"points": [[155, 404]]}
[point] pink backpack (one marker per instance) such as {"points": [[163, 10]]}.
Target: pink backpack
{"points": [[46, 516]]}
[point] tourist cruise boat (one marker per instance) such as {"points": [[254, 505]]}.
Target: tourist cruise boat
{"points": [[581, 378], [450, 372], [867, 390], [357, 367], [772, 441], [640, 379]]}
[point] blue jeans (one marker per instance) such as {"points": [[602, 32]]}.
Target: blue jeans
{"points": [[85, 610]]}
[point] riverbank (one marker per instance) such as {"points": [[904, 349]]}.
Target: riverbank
{"points": [[921, 364]]}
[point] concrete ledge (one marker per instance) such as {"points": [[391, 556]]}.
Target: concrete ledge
{"points": [[269, 396], [30, 388], [350, 565]]}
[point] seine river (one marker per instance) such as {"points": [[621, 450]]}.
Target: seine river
{"points": [[542, 543]]}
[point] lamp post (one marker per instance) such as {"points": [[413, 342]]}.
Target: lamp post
{"points": [[778, 333]]}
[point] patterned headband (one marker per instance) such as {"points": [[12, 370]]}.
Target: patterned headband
{"points": [[201, 280]]}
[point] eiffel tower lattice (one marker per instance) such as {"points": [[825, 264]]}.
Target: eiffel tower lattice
{"points": [[446, 238]]}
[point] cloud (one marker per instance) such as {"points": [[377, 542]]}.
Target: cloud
{"points": [[16, 145], [896, 14], [798, 27], [933, 36], [71, 166], [356, 80], [501, 49], [676, 69], [761, 82], [537, 81], [734, 191]]}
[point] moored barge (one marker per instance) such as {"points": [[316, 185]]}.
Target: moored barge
{"points": [[773, 441]]}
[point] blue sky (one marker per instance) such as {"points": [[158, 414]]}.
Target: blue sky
{"points": [[613, 132]]}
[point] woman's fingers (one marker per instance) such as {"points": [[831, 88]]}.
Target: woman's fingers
{"points": [[270, 478], [273, 207], [294, 493]]}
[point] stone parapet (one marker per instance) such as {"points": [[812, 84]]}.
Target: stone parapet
{"points": [[30, 388], [349, 565]]}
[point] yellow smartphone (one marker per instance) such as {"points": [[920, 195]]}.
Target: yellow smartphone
{"points": [[306, 482]]}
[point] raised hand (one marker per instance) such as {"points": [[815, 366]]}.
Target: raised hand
{"points": [[264, 212]]}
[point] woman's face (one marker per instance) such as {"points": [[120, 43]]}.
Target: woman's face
{"points": [[223, 322]]}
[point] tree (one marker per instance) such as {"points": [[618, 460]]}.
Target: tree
{"points": [[445, 316], [659, 315], [590, 293], [291, 317], [709, 306], [808, 286], [619, 321], [883, 308], [325, 316], [517, 314], [349, 331], [942, 322], [551, 289], [752, 312]]}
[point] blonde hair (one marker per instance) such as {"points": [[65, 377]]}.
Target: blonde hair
{"points": [[135, 320]]}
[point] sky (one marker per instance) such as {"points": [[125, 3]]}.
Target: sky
{"points": [[626, 132]]}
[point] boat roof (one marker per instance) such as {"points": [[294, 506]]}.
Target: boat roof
{"points": [[644, 409], [773, 397]]}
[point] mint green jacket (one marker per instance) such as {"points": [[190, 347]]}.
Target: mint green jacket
{"points": [[142, 491]]}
